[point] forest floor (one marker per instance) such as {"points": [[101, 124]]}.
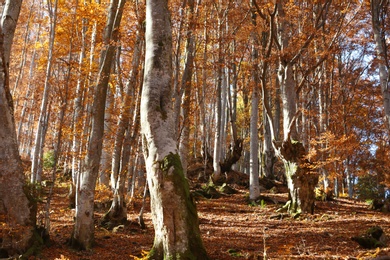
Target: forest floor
{"points": [[231, 229]]}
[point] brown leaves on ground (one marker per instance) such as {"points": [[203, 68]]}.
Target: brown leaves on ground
{"points": [[233, 229]]}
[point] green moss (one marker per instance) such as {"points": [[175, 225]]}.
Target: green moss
{"points": [[172, 170], [172, 160], [234, 252], [159, 254], [38, 239]]}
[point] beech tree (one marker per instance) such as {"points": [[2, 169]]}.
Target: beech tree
{"points": [[379, 19], [301, 180], [40, 135], [254, 187], [83, 232], [15, 212], [174, 215]]}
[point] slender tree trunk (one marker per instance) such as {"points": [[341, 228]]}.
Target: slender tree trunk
{"points": [[80, 118], [105, 159], [124, 116], [186, 82], [254, 187], [83, 232], [178, 90], [24, 51], [174, 215], [378, 13], [36, 167], [218, 121], [125, 140], [27, 104]]}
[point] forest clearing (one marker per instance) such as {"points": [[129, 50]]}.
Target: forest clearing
{"points": [[231, 228]]}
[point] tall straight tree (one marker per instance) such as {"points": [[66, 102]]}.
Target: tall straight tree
{"points": [[379, 14], [174, 215], [254, 187], [83, 232], [186, 87], [36, 166], [15, 208]]}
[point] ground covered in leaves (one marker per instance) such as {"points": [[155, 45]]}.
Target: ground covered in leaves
{"points": [[232, 229]]}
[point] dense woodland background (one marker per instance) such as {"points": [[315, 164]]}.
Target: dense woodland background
{"points": [[341, 120], [247, 76]]}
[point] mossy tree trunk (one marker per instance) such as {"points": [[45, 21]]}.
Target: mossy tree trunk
{"points": [[174, 215], [301, 180]]}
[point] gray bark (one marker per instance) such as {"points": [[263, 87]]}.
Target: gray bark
{"points": [[301, 181], [378, 13], [14, 205], [125, 139], [174, 216], [124, 116], [254, 187], [186, 82], [83, 232], [36, 167]]}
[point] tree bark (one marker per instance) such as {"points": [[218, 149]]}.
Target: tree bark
{"points": [[125, 140], [378, 13], [254, 186], [301, 181], [83, 232], [186, 82], [14, 204], [36, 167], [174, 215]]}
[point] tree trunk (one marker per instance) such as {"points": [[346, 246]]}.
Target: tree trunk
{"points": [[23, 146], [378, 10], [36, 166], [125, 141], [300, 180], [124, 115], [186, 82], [254, 187], [218, 107], [83, 232], [174, 215], [14, 204]]}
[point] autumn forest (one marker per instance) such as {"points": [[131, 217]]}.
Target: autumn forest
{"points": [[157, 118]]}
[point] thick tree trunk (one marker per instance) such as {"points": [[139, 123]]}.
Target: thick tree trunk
{"points": [[300, 180], [175, 220], [15, 206]]}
